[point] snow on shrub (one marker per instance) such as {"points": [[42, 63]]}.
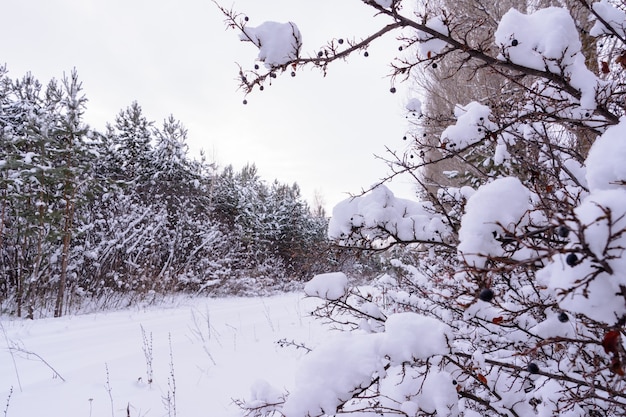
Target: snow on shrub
{"points": [[615, 17], [349, 363], [472, 126], [606, 163], [332, 373], [547, 40], [410, 336], [428, 44], [414, 105], [494, 210], [379, 219], [330, 286], [589, 277], [278, 43]]}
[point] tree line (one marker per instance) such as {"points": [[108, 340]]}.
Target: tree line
{"points": [[87, 214]]}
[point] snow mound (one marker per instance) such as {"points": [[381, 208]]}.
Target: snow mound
{"points": [[278, 43]]}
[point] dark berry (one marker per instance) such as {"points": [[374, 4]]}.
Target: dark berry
{"points": [[562, 231], [587, 114], [320, 54], [272, 75], [399, 48], [366, 54], [246, 18], [293, 73], [404, 138], [339, 41], [571, 259], [392, 90], [245, 102], [486, 294], [434, 65], [532, 368], [261, 88], [563, 317], [514, 42], [256, 66]]}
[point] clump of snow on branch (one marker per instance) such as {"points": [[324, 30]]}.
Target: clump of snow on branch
{"points": [[547, 40], [472, 126], [606, 163], [428, 44], [262, 394], [333, 372], [380, 218], [613, 16], [414, 105], [278, 43], [330, 286], [494, 210], [410, 336], [347, 364]]}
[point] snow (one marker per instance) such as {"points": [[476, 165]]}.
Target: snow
{"points": [[493, 210], [216, 350], [472, 126], [379, 217], [221, 349], [329, 374], [410, 336], [547, 40], [330, 286], [615, 17], [605, 164], [600, 214], [278, 43], [414, 105], [349, 362], [599, 220], [430, 46]]}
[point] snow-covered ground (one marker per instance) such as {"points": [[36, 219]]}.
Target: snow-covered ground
{"points": [[98, 364]]}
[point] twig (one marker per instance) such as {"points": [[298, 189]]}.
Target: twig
{"points": [[17, 374]]}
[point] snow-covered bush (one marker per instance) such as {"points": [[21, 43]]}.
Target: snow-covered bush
{"points": [[510, 297]]}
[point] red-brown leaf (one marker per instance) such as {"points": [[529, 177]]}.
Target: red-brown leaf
{"points": [[611, 341]]}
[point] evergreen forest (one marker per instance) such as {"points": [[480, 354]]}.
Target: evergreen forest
{"points": [[88, 216]]}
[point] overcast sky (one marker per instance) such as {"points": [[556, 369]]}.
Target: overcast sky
{"points": [[176, 57]]}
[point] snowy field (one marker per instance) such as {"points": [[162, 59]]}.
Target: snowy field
{"points": [[200, 355]]}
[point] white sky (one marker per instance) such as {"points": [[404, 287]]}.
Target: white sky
{"points": [[176, 57]]}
